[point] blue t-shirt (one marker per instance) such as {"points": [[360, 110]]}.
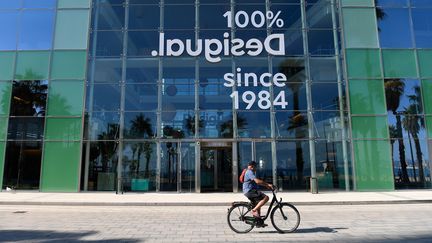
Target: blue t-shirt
{"points": [[249, 181]]}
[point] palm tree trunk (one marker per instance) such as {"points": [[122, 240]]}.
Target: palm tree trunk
{"points": [[299, 149], [419, 157], [405, 177]]}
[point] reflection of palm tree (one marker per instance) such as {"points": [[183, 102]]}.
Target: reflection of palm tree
{"points": [[141, 128], [294, 72], [411, 124], [226, 128], [108, 148], [172, 151], [393, 134], [189, 124], [394, 88]]}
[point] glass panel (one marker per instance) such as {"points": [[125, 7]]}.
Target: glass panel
{"points": [[5, 94], [291, 125], [172, 21], [141, 97], [140, 125], [71, 29], [264, 161], [213, 17], [29, 98], [24, 128], [142, 43], [395, 29], [406, 126], [318, 16], [177, 96], [369, 127], [429, 126], [410, 163], [323, 70], [293, 166], [139, 166], [169, 166], [65, 129], [367, 97], [109, 17], [363, 63], [103, 126], [106, 71], [293, 41], [142, 71], [10, 4], [22, 165], [7, 63], [178, 124], [108, 43], [188, 167], [321, 42], [392, 3], [32, 65], [3, 128], [427, 89], [68, 65], [66, 98], [403, 96], [325, 96], [60, 171], [36, 30], [99, 92], [39, 4], [425, 62], [360, 34], [421, 3], [330, 165], [103, 166], [373, 165], [253, 124], [349, 3], [214, 124], [399, 63], [73, 4], [327, 125], [216, 167], [144, 17], [214, 96], [422, 30], [8, 28], [2, 160]]}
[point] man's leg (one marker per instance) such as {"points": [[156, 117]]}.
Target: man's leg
{"points": [[260, 204]]}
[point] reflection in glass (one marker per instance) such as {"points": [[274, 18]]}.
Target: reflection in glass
{"points": [[323, 70], [103, 126], [141, 97], [330, 165], [142, 43], [178, 124], [106, 71], [29, 98], [139, 166], [8, 28], [188, 167], [103, 166], [253, 124], [321, 42], [22, 164], [26, 128], [169, 166], [422, 28], [395, 30], [264, 161], [319, 15], [216, 124], [140, 125], [142, 71], [108, 43], [100, 94], [36, 32], [291, 125], [187, 21], [293, 166], [327, 125], [144, 17], [109, 17]]}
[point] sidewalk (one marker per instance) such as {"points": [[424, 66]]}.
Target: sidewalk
{"points": [[209, 199]]}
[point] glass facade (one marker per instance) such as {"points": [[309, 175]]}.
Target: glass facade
{"points": [[164, 95]]}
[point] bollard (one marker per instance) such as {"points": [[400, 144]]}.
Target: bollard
{"points": [[313, 185]]}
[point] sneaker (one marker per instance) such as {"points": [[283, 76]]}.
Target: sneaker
{"points": [[261, 225], [255, 214]]}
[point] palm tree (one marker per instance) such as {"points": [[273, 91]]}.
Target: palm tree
{"points": [[393, 134], [108, 148], [394, 89], [169, 131], [226, 128], [189, 124], [141, 128]]}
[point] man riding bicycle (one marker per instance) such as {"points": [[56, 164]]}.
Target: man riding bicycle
{"points": [[250, 189]]}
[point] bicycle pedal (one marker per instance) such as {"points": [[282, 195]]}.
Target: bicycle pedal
{"points": [[261, 225]]}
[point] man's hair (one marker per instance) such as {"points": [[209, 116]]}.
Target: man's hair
{"points": [[252, 163]]}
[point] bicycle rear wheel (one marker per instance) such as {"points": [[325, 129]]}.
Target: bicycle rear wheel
{"points": [[285, 218], [240, 218]]}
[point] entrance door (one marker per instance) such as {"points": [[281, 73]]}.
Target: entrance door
{"points": [[216, 169]]}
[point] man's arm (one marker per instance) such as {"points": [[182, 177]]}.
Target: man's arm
{"points": [[263, 183]]}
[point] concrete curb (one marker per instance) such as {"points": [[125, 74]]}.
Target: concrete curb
{"points": [[139, 204]]}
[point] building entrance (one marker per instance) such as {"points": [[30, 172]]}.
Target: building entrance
{"points": [[216, 169]]}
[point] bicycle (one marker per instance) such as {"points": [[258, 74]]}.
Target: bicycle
{"points": [[241, 220]]}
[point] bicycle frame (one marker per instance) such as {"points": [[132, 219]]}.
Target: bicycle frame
{"points": [[274, 200]]}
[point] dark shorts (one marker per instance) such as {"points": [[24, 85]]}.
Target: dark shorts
{"points": [[255, 196]]}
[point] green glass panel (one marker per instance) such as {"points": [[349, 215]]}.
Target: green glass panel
{"points": [[71, 29], [65, 129], [5, 93], [425, 62], [369, 127], [373, 165], [32, 65], [363, 63], [65, 98], [3, 128], [427, 95], [2, 153], [7, 63], [68, 65], [360, 34], [429, 126], [367, 97], [399, 63], [357, 3], [73, 4], [60, 167]]}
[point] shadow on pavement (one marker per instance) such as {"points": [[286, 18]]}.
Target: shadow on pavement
{"points": [[53, 236], [311, 230]]}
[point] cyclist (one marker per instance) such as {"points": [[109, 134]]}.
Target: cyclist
{"points": [[250, 189]]}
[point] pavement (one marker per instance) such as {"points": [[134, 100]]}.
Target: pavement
{"points": [[209, 199]]}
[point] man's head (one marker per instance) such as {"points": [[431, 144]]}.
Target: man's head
{"points": [[252, 165]]}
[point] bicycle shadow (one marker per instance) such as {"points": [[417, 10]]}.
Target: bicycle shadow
{"points": [[310, 230]]}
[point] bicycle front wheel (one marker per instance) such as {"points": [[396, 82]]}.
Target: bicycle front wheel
{"points": [[285, 218], [240, 218]]}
